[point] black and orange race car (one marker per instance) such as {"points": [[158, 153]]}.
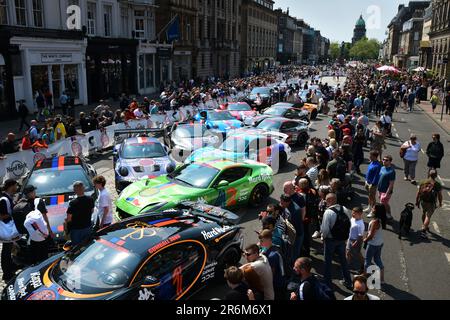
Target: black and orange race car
{"points": [[54, 179], [156, 256]]}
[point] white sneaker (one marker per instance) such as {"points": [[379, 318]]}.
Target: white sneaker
{"points": [[370, 215], [316, 235]]}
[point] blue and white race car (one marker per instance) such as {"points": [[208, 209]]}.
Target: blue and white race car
{"points": [[263, 146], [221, 121], [139, 157]]}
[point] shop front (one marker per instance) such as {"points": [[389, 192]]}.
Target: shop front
{"points": [[182, 65], [50, 66], [111, 68]]}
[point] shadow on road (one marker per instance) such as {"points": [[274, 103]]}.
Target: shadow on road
{"points": [[398, 294]]}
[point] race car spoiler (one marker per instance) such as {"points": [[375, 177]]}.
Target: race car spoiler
{"points": [[135, 132], [250, 130], [210, 212]]}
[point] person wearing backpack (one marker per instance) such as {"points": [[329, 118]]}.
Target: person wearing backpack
{"points": [[6, 205], [272, 252], [311, 288], [335, 231], [337, 168], [374, 239], [428, 195], [312, 209]]}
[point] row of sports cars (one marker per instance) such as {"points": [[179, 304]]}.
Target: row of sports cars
{"points": [[174, 233]]}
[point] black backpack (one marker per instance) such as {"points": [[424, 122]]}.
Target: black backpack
{"points": [[20, 212], [341, 169], [341, 228]]}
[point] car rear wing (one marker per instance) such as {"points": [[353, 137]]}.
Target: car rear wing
{"points": [[250, 130], [210, 212], [130, 133]]}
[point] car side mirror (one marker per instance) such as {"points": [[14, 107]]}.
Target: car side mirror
{"points": [[223, 184], [170, 168], [150, 281]]}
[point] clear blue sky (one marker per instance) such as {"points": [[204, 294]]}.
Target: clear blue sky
{"points": [[336, 18]]}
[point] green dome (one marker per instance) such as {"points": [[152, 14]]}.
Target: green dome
{"points": [[361, 22]]}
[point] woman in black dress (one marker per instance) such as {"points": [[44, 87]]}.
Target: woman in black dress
{"points": [[435, 152]]}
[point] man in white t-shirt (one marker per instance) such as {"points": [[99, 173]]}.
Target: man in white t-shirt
{"points": [[103, 205], [355, 239], [38, 231], [138, 113]]}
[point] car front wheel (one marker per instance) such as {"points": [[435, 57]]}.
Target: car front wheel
{"points": [[258, 195]]}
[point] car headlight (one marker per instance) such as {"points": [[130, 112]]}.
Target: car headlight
{"points": [[123, 171]]}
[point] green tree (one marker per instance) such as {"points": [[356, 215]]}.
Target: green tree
{"points": [[335, 50], [365, 49]]}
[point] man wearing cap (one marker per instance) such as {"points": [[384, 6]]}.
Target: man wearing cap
{"points": [[29, 203], [79, 215], [6, 209]]}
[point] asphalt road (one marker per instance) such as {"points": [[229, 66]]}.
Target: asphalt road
{"points": [[414, 268]]}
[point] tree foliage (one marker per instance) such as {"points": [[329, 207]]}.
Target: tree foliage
{"points": [[335, 50], [365, 49]]}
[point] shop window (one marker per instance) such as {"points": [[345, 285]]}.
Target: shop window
{"points": [[39, 78], [3, 12], [149, 71], [38, 17], [71, 80], [91, 12], [21, 12], [107, 16], [4, 104], [16, 65], [141, 72]]}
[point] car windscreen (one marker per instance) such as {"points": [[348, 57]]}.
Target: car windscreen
{"points": [[195, 175], [265, 91], [95, 268], [51, 182], [143, 150], [269, 124], [234, 144], [275, 111], [191, 132], [219, 116], [239, 107]]}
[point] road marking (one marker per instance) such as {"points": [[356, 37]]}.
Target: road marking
{"points": [[447, 255], [442, 180], [403, 120], [436, 227], [403, 271], [409, 130], [448, 192], [397, 136], [421, 150]]}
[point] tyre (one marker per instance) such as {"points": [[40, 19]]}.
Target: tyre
{"points": [[302, 139], [283, 159], [258, 195], [230, 257]]}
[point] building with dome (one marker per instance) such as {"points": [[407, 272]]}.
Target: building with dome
{"points": [[360, 30]]}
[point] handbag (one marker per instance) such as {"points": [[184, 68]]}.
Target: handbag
{"points": [[8, 232], [403, 151]]}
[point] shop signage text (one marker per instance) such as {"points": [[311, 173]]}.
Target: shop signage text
{"points": [[56, 57]]}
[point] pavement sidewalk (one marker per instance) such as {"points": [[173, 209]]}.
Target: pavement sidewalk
{"points": [[436, 117]]}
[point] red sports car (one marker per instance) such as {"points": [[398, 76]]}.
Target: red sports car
{"points": [[239, 110]]}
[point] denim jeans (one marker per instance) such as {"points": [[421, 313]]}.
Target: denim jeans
{"points": [[373, 253], [77, 236], [332, 247], [297, 250]]}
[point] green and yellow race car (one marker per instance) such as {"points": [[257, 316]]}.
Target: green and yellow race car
{"points": [[222, 183]]}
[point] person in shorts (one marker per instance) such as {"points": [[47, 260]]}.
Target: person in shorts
{"points": [[386, 184], [355, 240], [428, 196]]}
